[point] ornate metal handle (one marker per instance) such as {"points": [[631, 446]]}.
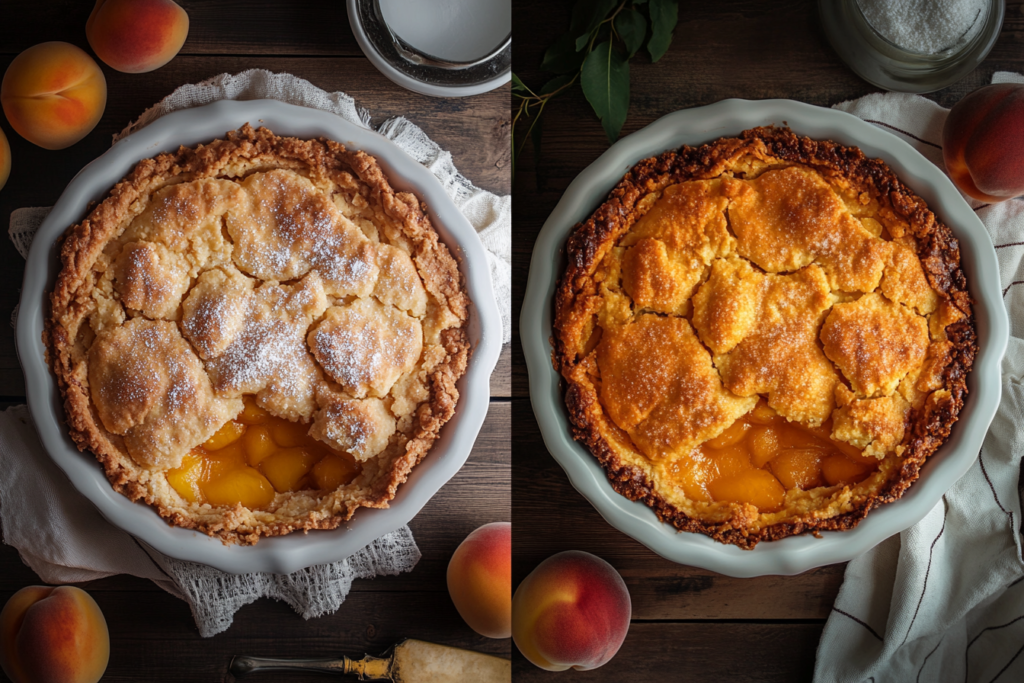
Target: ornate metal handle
{"points": [[368, 668], [244, 665]]}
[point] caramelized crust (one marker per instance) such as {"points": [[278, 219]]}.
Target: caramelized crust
{"points": [[788, 218], [658, 384], [669, 247], [198, 279], [764, 331], [764, 265], [875, 343], [873, 424]]}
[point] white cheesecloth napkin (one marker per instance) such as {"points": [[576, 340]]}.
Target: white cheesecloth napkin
{"points": [[64, 539], [944, 600]]}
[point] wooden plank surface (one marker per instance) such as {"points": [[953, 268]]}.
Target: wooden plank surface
{"points": [[736, 652], [153, 635], [688, 623], [225, 27]]}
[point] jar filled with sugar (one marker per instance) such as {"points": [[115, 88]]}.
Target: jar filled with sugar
{"points": [[912, 45]]}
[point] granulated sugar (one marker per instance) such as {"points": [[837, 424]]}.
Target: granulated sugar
{"points": [[926, 26]]}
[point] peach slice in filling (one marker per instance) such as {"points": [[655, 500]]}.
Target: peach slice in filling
{"points": [[256, 456], [762, 455]]}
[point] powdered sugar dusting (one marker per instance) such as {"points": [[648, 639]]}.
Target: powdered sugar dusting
{"points": [[269, 353], [148, 386], [366, 347], [150, 279], [290, 228], [344, 425]]}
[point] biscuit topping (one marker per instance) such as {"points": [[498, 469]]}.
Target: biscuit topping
{"points": [[789, 218], [768, 270], [288, 227], [658, 384], [149, 387], [365, 347], [765, 329], [875, 343], [669, 248], [748, 330], [267, 356], [258, 335], [151, 279]]}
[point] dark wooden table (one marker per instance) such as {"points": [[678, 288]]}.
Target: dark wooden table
{"points": [[688, 624], [153, 637]]}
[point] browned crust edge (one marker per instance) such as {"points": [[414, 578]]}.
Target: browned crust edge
{"points": [[938, 250], [83, 242]]}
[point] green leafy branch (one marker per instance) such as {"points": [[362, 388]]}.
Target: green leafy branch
{"points": [[603, 36]]}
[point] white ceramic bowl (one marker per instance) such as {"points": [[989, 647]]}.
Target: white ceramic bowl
{"points": [[285, 553], [492, 23], [797, 553]]}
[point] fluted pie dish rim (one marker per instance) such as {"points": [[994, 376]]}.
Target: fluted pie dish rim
{"points": [[702, 125], [286, 553]]}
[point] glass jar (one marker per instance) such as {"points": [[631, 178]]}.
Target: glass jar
{"points": [[883, 63]]}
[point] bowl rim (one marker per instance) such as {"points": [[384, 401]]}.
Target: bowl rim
{"points": [[411, 83], [279, 554], [794, 554]]}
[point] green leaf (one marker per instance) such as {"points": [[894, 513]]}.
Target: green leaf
{"points": [[605, 81], [518, 86], [631, 27], [586, 16], [664, 17], [562, 56], [556, 83]]}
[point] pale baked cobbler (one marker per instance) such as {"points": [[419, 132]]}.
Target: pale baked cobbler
{"points": [[258, 335], [763, 336]]}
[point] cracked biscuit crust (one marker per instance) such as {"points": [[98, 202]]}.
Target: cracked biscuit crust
{"points": [[765, 265], [198, 279]]}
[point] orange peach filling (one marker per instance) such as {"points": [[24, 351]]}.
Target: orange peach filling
{"points": [[256, 456], [762, 455]]}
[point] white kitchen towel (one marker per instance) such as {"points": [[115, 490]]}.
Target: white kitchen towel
{"points": [[62, 537], [944, 600]]}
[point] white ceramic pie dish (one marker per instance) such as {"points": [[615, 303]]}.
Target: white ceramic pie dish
{"points": [[794, 554], [289, 553]]}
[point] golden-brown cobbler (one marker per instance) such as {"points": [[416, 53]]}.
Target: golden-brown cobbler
{"points": [[763, 336], [258, 335]]}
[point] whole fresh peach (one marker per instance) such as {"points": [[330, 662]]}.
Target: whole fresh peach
{"points": [[983, 142], [573, 610], [480, 580], [53, 635], [5, 160], [136, 36], [53, 94]]}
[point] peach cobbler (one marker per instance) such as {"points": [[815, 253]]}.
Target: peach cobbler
{"points": [[763, 336], [258, 335]]}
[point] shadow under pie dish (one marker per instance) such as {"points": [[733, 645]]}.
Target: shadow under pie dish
{"points": [[258, 335], [763, 336]]}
